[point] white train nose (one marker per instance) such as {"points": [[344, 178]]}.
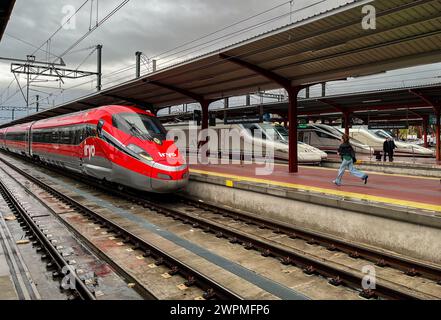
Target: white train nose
{"points": [[165, 183]]}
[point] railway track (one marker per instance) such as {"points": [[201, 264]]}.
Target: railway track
{"points": [[286, 255], [210, 289], [43, 244], [24, 286]]}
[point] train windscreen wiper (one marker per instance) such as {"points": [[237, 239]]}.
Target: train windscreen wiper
{"points": [[137, 132]]}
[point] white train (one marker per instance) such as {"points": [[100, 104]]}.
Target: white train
{"points": [[328, 139], [260, 135], [376, 138]]}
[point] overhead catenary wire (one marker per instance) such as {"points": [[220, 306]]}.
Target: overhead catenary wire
{"points": [[61, 27], [133, 66], [124, 69], [98, 24], [103, 20]]}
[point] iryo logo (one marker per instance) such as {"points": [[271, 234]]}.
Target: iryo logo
{"points": [[89, 151], [170, 155]]}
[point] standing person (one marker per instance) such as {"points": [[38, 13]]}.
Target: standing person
{"points": [[392, 147], [347, 155], [386, 149]]}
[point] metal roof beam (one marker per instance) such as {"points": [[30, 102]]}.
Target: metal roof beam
{"points": [[88, 104], [334, 105], [143, 104], [426, 99], [187, 93], [285, 83], [387, 107]]}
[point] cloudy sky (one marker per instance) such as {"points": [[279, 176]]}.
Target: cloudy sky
{"points": [[153, 27]]}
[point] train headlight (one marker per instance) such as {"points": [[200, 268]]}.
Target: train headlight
{"points": [[140, 152], [164, 176]]}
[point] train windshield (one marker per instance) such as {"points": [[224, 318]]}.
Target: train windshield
{"points": [[282, 132], [278, 132], [140, 125], [383, 134]]}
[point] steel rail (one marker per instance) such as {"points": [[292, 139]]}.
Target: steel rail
{"points": [[381, 259], [211, 288], [78, 285], [411, 268]]}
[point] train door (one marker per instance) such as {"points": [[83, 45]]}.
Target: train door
{"points": [[96, 152], [305, 136]]}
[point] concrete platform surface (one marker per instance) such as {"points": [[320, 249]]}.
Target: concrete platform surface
{"points": [[393, 189]]}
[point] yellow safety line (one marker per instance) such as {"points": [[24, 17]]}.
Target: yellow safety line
{"points": [[372, 172], [404, 203]]}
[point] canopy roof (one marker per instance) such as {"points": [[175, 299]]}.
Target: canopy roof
{"points": [[331, 45]]}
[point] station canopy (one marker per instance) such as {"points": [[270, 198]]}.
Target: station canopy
{"points": [[329, 46], [5, 13], [411, 104]]}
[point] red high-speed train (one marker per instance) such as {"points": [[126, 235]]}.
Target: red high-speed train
{"points": [[119, 144]]}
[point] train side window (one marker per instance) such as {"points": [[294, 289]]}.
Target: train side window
{"points": [[323, 135], [76, 135], [54, 137]]}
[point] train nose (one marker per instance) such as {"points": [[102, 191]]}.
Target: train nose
{"points": [[174, 181]]}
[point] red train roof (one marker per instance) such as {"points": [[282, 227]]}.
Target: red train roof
{"points": [[92, 115]]}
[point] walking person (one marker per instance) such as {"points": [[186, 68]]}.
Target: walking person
{"points": [[347, 155]]}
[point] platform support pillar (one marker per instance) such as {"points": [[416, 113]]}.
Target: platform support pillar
{"points": [[293, 92], [425, 127], [204, 107], [438, 133], [347, 120]]}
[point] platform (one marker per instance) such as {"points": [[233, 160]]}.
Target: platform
{"points": [[392, 189], [397, 212], [415, 166]]}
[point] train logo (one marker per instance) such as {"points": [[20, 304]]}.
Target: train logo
{"points": [[89, 151], [167, 154]]}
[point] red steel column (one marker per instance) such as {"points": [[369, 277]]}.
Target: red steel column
{"points": [[292, 118], [425, 126], [347, 118], [204, 106], [438, 134]]}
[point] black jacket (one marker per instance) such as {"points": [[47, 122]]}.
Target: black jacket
{"points": [[389, 146], [346, 149]]}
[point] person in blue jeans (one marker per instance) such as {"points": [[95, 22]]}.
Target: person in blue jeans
{"points": [[347, 155]]}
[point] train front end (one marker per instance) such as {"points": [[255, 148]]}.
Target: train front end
{"points": [[155, 163]]}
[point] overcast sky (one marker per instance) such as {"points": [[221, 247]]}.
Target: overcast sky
{"points": [[150, 26]]}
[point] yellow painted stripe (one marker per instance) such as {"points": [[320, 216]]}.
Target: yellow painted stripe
{"points": [[360, 196], [374, 172]]}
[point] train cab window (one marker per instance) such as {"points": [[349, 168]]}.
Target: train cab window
{"points": [[255, 131], [324, 135], [140, 125], [90, 131]]}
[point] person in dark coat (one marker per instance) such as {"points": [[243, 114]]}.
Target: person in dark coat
{"points": [[347, 155], [388, 148]]}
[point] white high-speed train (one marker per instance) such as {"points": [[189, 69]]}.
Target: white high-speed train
{"points": [[328, 138], [376, 138], [261, 135]]}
